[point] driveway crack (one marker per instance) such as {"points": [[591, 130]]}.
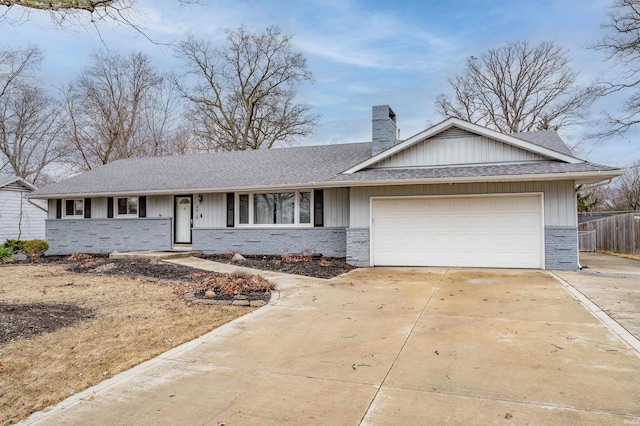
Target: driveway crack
{"points": [[395, 360]]}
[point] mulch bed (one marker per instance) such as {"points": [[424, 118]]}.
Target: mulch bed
{"points": [[19, 321], [134, 268], [314, 267], [22, 321]]}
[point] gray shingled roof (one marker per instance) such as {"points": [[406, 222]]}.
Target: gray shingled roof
{"points": [[286, 167], [546, 138], [234, 170], [514, 169]]}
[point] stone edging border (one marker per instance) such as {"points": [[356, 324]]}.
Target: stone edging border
{"points": [[237, 301]]}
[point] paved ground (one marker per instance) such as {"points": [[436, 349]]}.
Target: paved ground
{"points": [[386, 346], [612, 283]]}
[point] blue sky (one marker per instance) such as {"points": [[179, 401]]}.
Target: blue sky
{"points": [[362, 53]]}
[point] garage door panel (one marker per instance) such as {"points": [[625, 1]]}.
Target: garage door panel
{"points": [[487, 231]]}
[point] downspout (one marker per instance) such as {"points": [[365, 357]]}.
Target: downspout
{"points": [[38, 206], [606, 182]]}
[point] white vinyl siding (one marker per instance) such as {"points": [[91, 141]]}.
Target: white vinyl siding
{"points": [[336, 207], [159, 206], [211, 212], [559, 198], [99, 208], [472, 149], [32, 226], [51, 205]]}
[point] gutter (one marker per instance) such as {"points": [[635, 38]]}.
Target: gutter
{"points": [[599, 175]]}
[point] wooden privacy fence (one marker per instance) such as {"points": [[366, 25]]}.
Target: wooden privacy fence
{"points": [[620, 233]]}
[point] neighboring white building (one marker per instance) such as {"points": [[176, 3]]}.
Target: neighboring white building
{"points": [[20, 218]]}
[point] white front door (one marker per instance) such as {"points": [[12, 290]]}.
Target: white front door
{"points": [[183, 220]]}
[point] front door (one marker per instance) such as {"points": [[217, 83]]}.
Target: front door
{"points": [[184, 219]]}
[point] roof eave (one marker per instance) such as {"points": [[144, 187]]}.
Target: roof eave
{"points": [[579, 177]]}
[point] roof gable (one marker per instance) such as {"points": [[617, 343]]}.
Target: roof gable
{"points": [[472, 144], [16, 184], [457, 146]]}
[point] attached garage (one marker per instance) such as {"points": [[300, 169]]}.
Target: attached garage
{"points": [[499, 231]]}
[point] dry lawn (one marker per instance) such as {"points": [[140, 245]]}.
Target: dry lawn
{"points": [[135, 320], [625, 255]]}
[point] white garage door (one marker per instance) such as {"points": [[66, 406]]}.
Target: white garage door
{"points": [[483, 231]]}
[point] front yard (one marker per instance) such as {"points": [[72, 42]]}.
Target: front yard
{"points": [[63, 332]]}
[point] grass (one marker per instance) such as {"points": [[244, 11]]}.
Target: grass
{"points": [[625, 255], [134, 321]]}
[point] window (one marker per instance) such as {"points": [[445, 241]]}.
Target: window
{"points": [[305, 207], [275, 208], [74, 208], [127, 206], [243, 202]]}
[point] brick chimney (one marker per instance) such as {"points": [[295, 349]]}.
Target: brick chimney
{"points": [[383, 128]]}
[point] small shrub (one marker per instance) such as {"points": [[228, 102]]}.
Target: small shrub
{"points": [[6, 254], [35, 248], [16, 246], [79, 256]]}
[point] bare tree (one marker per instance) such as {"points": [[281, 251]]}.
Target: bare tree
{"points": [[626, 189], [518, 87], [75, 12], [119, 107], [622, 44], [589, 199], [29, 118], [68, 13], [243, 96]]}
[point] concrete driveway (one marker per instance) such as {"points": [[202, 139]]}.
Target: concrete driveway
{"points": [[613, 284], [386, 346]]}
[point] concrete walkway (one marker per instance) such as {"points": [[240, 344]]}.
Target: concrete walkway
{"points": [[385, 346], [612, 284]]}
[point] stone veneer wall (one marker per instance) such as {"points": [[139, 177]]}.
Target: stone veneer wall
{"points": [[358, 246], [330, 242], [66, 236], [561, 248]]}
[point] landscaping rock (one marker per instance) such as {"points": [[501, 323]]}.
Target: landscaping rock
{"points": [[239, 297], [241, 303], [238, 258], [209, 294]]}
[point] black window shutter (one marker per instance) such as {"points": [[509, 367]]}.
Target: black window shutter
{"points": [[59, 208], [142, 207], [318, 208], [110, 207], [87, 208], [230, 211]]}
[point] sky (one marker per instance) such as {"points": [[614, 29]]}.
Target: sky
{"points": [[361, 53]]}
